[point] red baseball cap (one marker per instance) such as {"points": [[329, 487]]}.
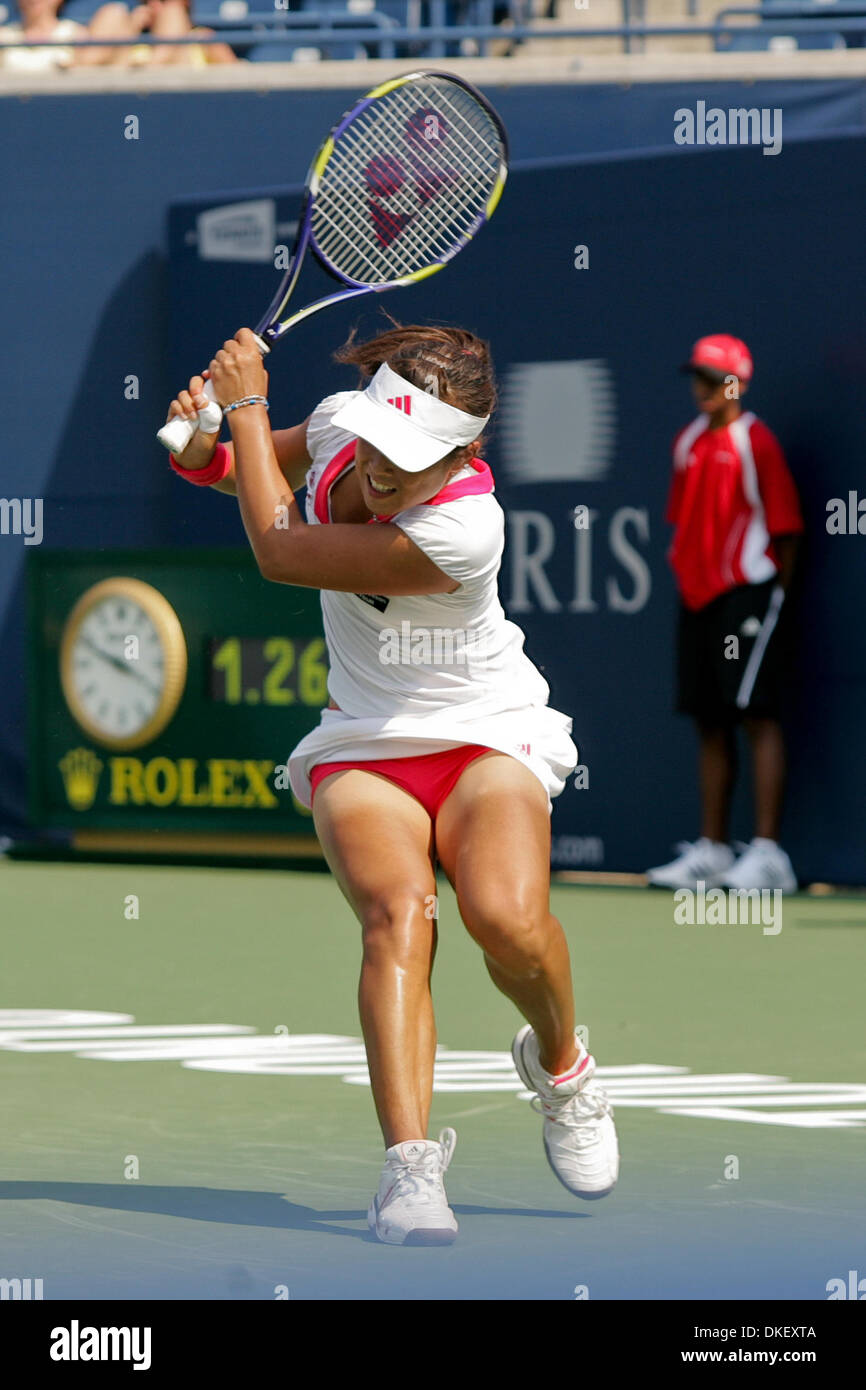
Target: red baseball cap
{"points": [[721, 356]]}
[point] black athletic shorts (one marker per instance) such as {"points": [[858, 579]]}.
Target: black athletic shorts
{"points": [[733, 655]]}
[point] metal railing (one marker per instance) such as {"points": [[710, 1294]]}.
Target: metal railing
{"points": [[273, 26], [384, 37], [809, 18], [815, 17]]}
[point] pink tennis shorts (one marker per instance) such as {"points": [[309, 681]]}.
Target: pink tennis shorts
{"points": [[429, 778]]}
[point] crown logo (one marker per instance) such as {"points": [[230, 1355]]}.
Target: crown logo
{"points": [[80, 771]]}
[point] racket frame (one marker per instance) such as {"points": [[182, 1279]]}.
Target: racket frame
{"points": [[271, 327]]}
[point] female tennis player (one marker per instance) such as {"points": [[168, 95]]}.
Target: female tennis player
{"points": [[438, 742]]}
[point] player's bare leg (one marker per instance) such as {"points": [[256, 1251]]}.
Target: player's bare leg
{"points": [[718, 770], [493, 841], [769, 764], [377, 840]]}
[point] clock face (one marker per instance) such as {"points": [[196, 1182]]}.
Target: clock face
{"points": [[123, 662]]}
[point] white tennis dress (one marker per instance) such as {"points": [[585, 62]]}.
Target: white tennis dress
{"points": [[416, 675]]}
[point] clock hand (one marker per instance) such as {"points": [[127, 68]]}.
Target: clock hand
{"points": [[120, 664]]}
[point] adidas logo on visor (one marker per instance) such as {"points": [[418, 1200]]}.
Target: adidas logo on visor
{"points": [[403, 403]]}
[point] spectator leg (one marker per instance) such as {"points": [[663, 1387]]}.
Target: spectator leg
{"points": [[111, 21]]}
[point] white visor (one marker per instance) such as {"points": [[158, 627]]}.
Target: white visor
{"points": [[409, 426]]}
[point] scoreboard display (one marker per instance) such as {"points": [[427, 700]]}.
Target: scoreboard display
{"points": [[167, 690]]}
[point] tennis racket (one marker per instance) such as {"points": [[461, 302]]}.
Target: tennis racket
{"points": [[401, 184]]}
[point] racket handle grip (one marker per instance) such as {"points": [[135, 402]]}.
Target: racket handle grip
{"points": [[177, 433]]}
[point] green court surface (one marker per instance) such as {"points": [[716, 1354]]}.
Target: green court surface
{"points": [[229, 1148]]}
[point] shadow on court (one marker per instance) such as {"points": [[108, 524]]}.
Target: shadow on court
{"points": [[227, 1206]]}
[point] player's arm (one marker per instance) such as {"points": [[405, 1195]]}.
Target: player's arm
{"points": [[352, 558], [290, 450], [290, 446]]}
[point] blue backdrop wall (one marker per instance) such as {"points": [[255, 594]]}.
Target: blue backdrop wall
{"points": [[679, 242]]}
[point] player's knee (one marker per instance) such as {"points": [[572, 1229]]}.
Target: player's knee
{"points": [[396, 925], [513, 933]]}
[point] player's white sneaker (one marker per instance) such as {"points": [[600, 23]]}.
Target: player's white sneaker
{"points": [[763, 864], [410, 1207], [705, 860], [579, 1134]]}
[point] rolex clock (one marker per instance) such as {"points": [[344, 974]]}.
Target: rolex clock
{"points": [[123, 662], [166, 690]]}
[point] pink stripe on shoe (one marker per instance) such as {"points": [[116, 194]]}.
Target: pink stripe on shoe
{"points": [[557, 1081]]}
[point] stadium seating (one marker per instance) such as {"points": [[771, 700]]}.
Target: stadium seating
{"points": [[240, 13], [83, 10], [742, 27], [758, 41], [300, 52], [265, 20], [415, 14], [801, 11], [820, 9], [405, 14]]}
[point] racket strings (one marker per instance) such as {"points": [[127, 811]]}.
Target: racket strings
{"points": [[350, 238], [391, 201], [347, 231], [479, 160], [470, 129]]}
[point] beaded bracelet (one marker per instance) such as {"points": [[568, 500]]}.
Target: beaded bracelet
{"points": [[247, 400]]}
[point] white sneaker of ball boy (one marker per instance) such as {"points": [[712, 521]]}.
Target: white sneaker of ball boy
{"points": [[411, 1208], [761, 864]]}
